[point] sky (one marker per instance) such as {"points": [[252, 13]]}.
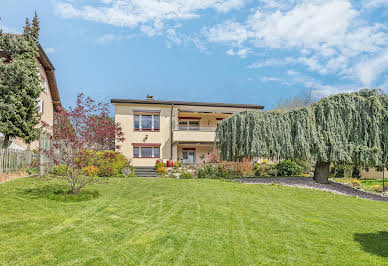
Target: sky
{"points": [[233, 51]]}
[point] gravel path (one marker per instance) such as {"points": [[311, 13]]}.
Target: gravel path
{"points": [[307, 182]]}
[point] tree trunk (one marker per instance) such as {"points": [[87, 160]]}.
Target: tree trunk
{"points": [[321, 173], [6, 141]]}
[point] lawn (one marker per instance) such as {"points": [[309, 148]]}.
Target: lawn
{"points": [[169, 221]]}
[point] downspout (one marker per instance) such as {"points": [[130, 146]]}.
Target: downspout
{"points": [[171, 131]]}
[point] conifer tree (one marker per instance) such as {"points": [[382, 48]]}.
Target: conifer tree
{"points": [[27, 28], [35, 27], [19, 87], [345, 128]]}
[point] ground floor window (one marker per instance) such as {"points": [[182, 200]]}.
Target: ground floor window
{"points": [[146, 152]]}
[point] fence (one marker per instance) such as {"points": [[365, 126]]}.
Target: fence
{"points": [[17, 160]]}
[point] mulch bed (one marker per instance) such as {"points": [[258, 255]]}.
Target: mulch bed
{"points": [[307, 182]]}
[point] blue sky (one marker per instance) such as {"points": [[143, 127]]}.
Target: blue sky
{"points": [[238, 51]]}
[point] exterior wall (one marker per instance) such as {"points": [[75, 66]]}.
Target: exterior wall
{"points": [[124, 114], [48, 109], [201, 152]]}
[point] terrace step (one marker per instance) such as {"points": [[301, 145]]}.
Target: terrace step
{"points": [[144, 171]]}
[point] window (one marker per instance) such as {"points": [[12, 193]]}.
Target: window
{"points": [[41, 106], [46, 86], [146, 152], [147, 122], [189, 125]]}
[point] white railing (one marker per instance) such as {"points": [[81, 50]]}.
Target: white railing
{"points": [[193, 128]]}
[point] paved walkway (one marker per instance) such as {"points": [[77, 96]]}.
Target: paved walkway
{"points": [[307, 182]]}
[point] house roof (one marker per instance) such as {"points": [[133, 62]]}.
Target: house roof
{"points": [[49, 69], [231, 105]]}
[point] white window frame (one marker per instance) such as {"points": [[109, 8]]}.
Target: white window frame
{"points": [[140, 153], [141, 122]]}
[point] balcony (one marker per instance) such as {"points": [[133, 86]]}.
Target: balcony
{"points": [[194, 134]]}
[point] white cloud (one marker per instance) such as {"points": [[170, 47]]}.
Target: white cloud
{"points": [[131, 13], [242, 52], [228, 32], [320, 89], [369, 69], [228, 5], [374, 3], [330, 35], [110, 37]]}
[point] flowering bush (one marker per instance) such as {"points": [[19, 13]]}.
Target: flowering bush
{"points": [[159, 164], [90, 170], [377, 188], [162, 170], [214, 157], [355, 183]]}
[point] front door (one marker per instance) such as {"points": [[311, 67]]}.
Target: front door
{"points": [[189, 156]]}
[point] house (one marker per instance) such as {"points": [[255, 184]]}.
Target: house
{"points": [[49, 99], [171, 130]]}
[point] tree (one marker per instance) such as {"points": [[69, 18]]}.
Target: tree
{"points": [[307, 98], [19, 87], [343, 128], [78, 134], [35, 27]]}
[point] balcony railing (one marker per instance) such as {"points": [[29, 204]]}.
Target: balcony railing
{"points": [[194, 128]]}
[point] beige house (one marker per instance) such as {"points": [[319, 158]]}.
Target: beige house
{"points": [[170, 130], [48, 100]]}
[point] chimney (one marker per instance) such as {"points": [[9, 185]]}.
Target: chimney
{"points": [[149, 97]]}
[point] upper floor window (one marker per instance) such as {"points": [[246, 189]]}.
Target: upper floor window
{"points": [[145, 122], [188, 125]]}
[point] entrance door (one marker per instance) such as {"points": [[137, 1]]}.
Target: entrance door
{"points": [[188, 156]]}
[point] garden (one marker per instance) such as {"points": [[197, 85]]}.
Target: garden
{"points": [[203, 221]]}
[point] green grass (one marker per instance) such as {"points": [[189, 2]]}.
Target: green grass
{"points": [[168, 221], [366, 184]]}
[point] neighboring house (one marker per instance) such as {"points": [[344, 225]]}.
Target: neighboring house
{"points": [[48, 100], [170, 129]]}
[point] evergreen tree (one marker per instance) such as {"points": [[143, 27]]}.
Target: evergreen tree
{"points": [[345, 128], [27, 28], [19, 87], [35, 27]]}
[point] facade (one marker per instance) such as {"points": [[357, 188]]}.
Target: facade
{"points": [[170, 130], [48, 100]]}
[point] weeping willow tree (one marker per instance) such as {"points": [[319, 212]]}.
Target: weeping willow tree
{"points": [[343, 128]]}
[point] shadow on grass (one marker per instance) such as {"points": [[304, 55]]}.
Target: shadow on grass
{"points": [[59, 193], [375, 243]]}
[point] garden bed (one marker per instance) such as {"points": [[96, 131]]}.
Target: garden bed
{"points": [[307, 182]]}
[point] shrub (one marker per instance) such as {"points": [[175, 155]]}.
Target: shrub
{"points": [[355, 183], [243, 168], [178, 164], [59, 169], [214, 157], [128, 170], [288, 168], [186, 175], [159, 165], [207, 171], [265, 170], [90, 170], [377, 188], [109, 163], [162, 170]]}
